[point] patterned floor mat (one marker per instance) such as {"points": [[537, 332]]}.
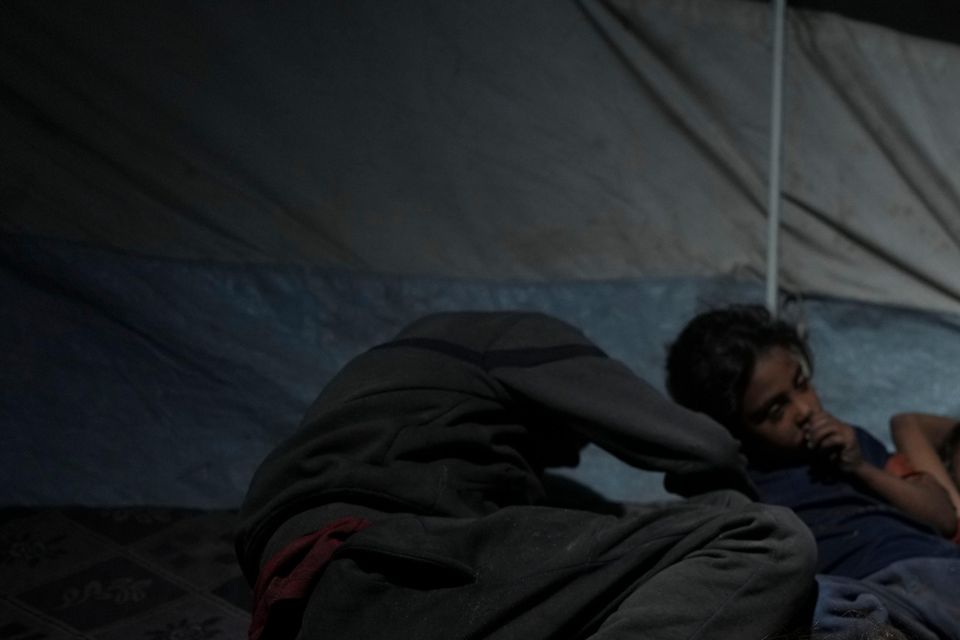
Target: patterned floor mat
{"points": [[120, 574]]}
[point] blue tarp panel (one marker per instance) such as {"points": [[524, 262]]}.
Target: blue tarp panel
{"points": [[134, 380]]}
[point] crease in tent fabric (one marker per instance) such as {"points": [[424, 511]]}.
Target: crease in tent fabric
{"points": [[886, 130], [92, 298], [870, 246], [152, 189], [626, 38]]}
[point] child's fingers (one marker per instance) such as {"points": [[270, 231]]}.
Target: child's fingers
{"points": [[835, 435], [822, 418], [816, 433], [832, 441]]}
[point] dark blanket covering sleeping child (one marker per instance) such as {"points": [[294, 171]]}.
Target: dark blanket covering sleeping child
{"points": [[752, 374], [411, 502]]}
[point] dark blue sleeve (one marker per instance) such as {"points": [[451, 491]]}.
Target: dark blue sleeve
{"points": [[873, 450]]}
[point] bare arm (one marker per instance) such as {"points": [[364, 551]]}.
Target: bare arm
{"points": [[920, 497], [918, 436]]}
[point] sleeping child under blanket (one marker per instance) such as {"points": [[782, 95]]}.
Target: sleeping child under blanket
{"points": [[752, 374], [411, 502]]}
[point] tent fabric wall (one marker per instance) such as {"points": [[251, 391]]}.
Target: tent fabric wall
{"points": [[579, 140], [206, 209]]}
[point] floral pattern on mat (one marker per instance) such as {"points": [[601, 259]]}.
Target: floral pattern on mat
{"points": [[112, 574]]}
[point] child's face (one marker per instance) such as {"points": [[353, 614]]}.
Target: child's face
{"points": [[779, 403]]}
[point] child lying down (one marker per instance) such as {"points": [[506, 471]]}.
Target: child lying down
{"points": [[752, 374]]}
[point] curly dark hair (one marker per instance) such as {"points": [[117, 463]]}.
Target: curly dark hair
{"points": [[711, 362]]}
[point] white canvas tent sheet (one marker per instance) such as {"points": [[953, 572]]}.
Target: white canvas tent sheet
{"points": [[579, 140]]}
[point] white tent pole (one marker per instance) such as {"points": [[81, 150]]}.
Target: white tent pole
{"points": [[776, 136]]}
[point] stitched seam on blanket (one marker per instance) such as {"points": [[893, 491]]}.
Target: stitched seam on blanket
{"points": [[530, 357]]}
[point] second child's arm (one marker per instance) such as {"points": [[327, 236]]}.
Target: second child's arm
{"points": [[920, 497], [918, 436]]}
